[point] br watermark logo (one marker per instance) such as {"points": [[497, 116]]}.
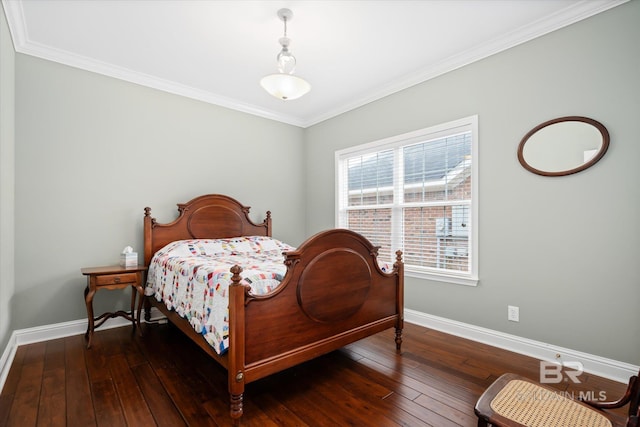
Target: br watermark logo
{"points": [[554, 373]]}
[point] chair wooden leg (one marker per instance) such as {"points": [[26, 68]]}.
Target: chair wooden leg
{"points": [[482, 423]]}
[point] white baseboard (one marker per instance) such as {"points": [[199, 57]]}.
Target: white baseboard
{"points": [[607, 368], [7, 358], [601, 366], [52, 332]]}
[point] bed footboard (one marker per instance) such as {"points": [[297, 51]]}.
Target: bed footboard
{"points": [[334, 293]]}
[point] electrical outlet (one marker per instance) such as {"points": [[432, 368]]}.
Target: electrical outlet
{"points": [[513, 313]]}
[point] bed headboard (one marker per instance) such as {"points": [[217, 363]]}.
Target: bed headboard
{"points": [[212, 216]]}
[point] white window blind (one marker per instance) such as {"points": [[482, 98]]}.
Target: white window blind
{"points": [[416, 192]]}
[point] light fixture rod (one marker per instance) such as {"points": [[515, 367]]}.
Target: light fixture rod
{"points": [[285, 15]]}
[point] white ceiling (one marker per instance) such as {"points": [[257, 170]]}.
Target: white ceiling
{"points": [[352, 52]]}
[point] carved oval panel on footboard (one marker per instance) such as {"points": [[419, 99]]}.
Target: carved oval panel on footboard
{"points": [[334, 285]]}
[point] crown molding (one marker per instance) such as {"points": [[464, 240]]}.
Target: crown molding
{"points": [[22, 44], [563, 18]]}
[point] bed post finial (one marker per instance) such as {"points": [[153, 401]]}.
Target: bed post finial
{"points": [[268, 223], [147, 211], [236, 270]]}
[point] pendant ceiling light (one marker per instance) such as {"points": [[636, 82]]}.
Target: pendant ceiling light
{"points": [[285, 85]]}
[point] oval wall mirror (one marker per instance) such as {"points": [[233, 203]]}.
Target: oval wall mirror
{"points": [[563, 146]]}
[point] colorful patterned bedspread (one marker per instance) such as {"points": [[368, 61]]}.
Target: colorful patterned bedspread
{"points": [[192, 277]]}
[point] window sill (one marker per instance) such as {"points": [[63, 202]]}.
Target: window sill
{"points": [[446, 278]]}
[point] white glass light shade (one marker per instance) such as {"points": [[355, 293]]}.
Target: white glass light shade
{"points": [[285, 86]]}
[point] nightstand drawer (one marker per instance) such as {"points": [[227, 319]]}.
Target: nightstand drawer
{"points": [[116, 279]]}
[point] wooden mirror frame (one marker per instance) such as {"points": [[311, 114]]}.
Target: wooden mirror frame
{"points": [[603, 148]]}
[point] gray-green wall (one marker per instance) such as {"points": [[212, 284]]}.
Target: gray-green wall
{"points": [[7, 145], [565, 250], [92, 152]]}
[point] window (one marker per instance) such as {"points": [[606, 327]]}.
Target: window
{"points": [[416, 192]]}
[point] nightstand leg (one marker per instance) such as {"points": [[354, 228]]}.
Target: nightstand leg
{"points": [[88, 299], [139, 312], [133, 307]]}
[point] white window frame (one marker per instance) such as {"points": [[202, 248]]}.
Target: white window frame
{"points": [[466, 124]]}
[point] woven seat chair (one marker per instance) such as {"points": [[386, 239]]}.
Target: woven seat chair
{"points": [[515, 401]]}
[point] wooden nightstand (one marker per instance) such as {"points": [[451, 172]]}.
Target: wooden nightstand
{"points": [[113, 277]]}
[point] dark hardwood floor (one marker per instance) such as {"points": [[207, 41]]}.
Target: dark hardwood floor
{"points": [[163, 379]]}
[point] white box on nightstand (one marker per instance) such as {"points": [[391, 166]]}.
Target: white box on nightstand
{"points": [[129, 259]]}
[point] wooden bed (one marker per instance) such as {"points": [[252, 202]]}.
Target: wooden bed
{"points": [[333, 293]]}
